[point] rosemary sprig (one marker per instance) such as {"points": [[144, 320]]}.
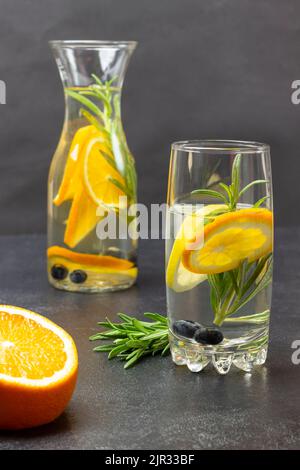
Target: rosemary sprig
{"points": [[106, 117], [231, 193], [231, 290], [255, 318], [133, 339]]}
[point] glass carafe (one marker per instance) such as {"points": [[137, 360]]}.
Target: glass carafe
{"points": [[92, 180]]}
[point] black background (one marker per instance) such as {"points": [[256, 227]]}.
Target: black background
{"points": [[203, 69]]}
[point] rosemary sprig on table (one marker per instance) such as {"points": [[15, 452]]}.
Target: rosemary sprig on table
{"points": [[103, 112], [133, 339]]}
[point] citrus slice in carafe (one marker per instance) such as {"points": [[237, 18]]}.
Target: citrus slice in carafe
{"points": [[100, 263], [82, 217], [69, 183], [101, 178], [246, 234]]}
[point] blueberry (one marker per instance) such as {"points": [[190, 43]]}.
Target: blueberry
{"points": [[186, 328], [59, 272], [78, 276], [208, 335]]}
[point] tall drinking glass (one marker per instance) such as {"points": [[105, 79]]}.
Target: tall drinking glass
{"points": [[219, 245]]}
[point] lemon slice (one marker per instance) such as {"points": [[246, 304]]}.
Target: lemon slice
{"points": [[178, 277], [230, 239]]}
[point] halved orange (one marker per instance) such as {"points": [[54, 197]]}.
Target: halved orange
{"points": [[230, 239], [38, 368]]}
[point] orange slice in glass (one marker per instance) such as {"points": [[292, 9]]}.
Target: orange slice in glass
{"points": [[178, 277], [38, 368], [230, 239]]}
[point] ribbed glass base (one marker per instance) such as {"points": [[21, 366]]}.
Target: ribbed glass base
{"points": [[245, 356]]}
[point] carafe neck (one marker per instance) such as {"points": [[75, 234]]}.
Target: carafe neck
{"points": [[79, 61]]}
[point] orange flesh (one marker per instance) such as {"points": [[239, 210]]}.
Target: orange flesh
{"points": [[28, 349]]}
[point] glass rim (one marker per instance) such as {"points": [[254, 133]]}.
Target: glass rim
{"points": [[220, 146], [92, 44]]}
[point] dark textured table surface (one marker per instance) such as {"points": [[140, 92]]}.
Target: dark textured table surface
{"points": [[157, 405]]}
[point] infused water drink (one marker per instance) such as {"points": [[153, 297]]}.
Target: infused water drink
{"points": [[219, 245], [92, 179]]}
